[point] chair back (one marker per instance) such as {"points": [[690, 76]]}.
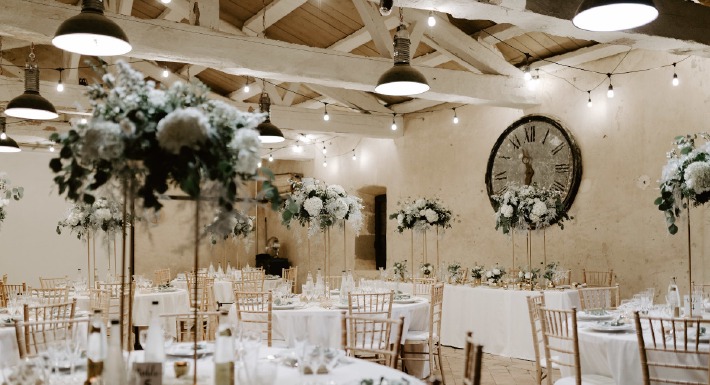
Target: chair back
{"points": [[49, 296], [161, 276], [374, 339], [422, 286], [51, 312], [559, 335], [599, 297], [436, 307], [248, 286], [100, 300], [51, 283], [474, 361], [8, 292], [290, 275], [375, 304], [202, 300], [671, 350], [334, 281], [189, 326], [36, 337], [251, 275], [597, 278], [254, 309], [534, 303], [566, 277]]}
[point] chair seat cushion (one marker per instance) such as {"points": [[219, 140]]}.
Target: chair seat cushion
{"points": [[587, 379]]}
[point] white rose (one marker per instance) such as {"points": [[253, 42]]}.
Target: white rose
{"points": [[520, 274], [496, 271], [528, 275], [489, 274]]}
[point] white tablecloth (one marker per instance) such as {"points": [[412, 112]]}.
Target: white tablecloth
{"points": [[223, 292], [168, 303], [613, 355], [498, 318]]}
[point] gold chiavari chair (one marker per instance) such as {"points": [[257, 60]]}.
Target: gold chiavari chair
{"points": [[597, 278], [114, 304], [100, 300], [33, 337], [49, 296], [431, 338], [422, 286], [474, 362], [671, 350], [290, 275], [49, 312], [567, 277], [188, 329], [334, 281], [8, 292], [161, 276], [559, 333], [254, 309], [373, 304], [373, 339], [251, 275], [204, 292], [251, 286], [534, 303], [51, 283], [4, 278], [598, 297]]}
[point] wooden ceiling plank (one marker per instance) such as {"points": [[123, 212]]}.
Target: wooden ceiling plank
{"points": [[428, 41], [358, 100], [580, 56], [379, 33], [360, 37], [273, 93], [192, 70], [275, 11], [125, 7], [181, 9]]}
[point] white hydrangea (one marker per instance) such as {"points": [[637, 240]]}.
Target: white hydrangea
{"points": [[102, 215], [338, 207], [539, 208], [697, 177], [496, 271], [400, 219], [184, 127], [246, 141], [431, 215], [507, 211], [313, 206]]}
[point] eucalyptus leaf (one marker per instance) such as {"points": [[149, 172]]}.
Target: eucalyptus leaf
{"points": [[673, 229]]}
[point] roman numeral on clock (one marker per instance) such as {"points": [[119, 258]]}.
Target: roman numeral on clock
{"points": [[515, 141], [562, 168], [530, 134], [504, 157], [558, 148], [544, 138], [501, 175], [502, 190], [558, 186]]}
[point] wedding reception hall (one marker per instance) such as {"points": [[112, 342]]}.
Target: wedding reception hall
{"points": [[354, 192]]}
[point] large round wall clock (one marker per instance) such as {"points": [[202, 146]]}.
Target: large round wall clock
{"points": [[536, 149]]}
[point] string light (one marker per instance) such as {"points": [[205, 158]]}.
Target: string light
{"points": [[165, 1], [3, 136], [526, 68], [431, 20], [60, 85], [246, 88], [166, 73], [326, 117], [324, 150], [394, 123], [589, 100], [610, 90], [271, 157], [325, 163], [354, 156], [258, 165], [456, 118], [51, 148], [83, 121], [675, 80]]}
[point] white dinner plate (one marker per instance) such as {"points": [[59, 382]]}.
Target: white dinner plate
{"points": [[584, 316], [607, 328], [283, 307], [406, 300], [186, 349]]}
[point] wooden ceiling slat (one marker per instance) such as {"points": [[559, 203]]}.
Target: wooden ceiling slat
{"points": [[147, 9], [310, 26]]}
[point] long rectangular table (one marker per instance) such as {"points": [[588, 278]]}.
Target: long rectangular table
{"points": [[498, 318]]}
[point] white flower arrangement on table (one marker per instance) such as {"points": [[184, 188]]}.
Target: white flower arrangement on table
{"points": [[103, 214], [8, 194], [528, 275], [477, 272], [422, 214], [400, 269], [528, 208], [550, 271], [686, 175], [427, 269], [236, 225], [319, 206], [453, 269], [495, 274]]}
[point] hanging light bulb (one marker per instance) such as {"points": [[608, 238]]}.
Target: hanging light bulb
{"points": [[402, 79], [326, 117], [325, 163], [83, 121], [354, 156], [246, 88], [165, 1], [165, 72], [394, 123], [324, 150], [3, 136], [589, 100], [526, 68], [610, 90], [60, 86], [386, 7], [675, 80], [271, 157], [456, 117], [258, 164], [431, 20], [51, 148], [91, 33], [31, 105], [534, 81]]}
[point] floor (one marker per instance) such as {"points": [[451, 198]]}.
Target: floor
{"points": [[496, 370]]}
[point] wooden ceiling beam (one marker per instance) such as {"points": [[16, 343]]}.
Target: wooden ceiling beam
{"points": [[275, 11], [580, 56], [357, 100], [379, 33], [452, 57], [413, 105], [268, 59], [431, 59], [494, 34], [177, 10], [290, 94], [70, 61]]}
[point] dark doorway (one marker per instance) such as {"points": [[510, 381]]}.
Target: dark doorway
{"points": [[381, 231]]}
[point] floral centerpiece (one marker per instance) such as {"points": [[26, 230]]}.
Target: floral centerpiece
{"points": [[239, 225], [319, 206], [400, 269], [549, 272], [477, 272], [422, 214], [528, 208], [8, 194], [103, 214], [454, 269], [146, 138], [528, 275], [686, 176], [494, 275], [427, 269]]}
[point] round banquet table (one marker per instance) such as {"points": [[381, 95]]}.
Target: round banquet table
{"points": [[223, 291], [169, 302], [498, 318]]}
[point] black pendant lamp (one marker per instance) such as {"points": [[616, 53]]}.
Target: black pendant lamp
{"points": [[7, 144], [268, 132], [91, 33], [614, 15], [31, 105], [402, 79]]}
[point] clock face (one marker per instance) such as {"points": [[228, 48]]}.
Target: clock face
{"points": [[535, 150]]}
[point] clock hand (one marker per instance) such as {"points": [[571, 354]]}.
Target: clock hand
{"points": [[529, 171]]}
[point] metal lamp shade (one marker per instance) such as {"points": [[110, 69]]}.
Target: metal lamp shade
{"points": [[269, 133], [614, 15], [9, 145], [31, 105], [91, 33], [401, 80]]}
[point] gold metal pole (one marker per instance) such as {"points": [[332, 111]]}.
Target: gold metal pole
{"points": [[412, 255], [125, 342], [345, 252], [132, 257], [544, 248], [424, 252], [437, 245], [512, 236], [194, 286], [690, 258]]}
